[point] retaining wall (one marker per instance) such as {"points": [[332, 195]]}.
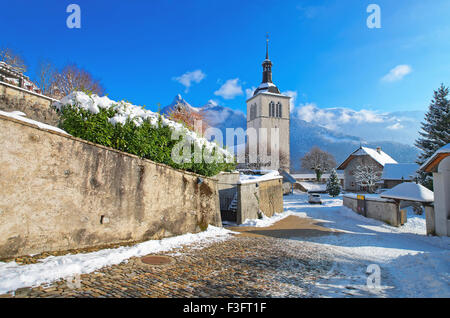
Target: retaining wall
{"points": [[265, 196], [58, 192], [380, 209], [35, 106]]}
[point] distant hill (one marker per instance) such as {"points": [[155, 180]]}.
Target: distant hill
{"points": [[304, 135]]}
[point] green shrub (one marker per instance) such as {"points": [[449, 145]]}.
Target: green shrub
{"points": [[144, 140]]}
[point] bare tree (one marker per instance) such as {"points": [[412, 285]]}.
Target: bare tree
{"points": [[367, 176], [72, 78], [46, 77], [13, 59], [189, 118], [319, 161]]}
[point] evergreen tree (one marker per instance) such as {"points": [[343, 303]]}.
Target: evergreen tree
{"points": [[435, 130], [333, 184]]}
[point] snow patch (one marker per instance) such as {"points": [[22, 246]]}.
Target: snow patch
{"points": [[52, 268]]}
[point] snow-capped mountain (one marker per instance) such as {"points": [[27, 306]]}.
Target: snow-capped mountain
{"points": [[217, 116], [223, 117], [178, 101], [400, 127], [306, 134]]}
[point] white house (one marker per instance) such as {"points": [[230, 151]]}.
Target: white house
{"points": [[439, 165], [363, 156]]}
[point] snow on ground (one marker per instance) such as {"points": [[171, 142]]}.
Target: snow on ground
{"points": [[266, 221], [411, 263], [13, 276], [22, 117]]}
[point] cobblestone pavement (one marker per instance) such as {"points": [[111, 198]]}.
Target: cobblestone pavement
{"points": [[242, 266]]}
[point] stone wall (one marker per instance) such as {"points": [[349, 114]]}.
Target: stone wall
{"points": [[58, 192], [379, 209], [265, 196], [35, 106]]}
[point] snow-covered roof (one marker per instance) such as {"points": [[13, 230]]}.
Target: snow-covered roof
{"points": [[313, 187], [265, 176], [22, 117], [410, 191], [376, 154], [399, 171], [287, 177], [439, 155], [266, 85]]}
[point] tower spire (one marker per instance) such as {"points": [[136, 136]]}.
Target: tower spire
{"points": [[267, 46]]}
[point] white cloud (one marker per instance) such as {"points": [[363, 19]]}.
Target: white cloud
{"points": [[397, 73], [395, 126], [332, 118], [293, 95], [190, 77], [249, 91], [230, 89]]}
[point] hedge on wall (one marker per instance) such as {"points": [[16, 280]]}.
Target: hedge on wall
{"points": [[134, 130]]}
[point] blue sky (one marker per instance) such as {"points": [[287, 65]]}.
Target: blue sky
{"points": [[321, 50]]}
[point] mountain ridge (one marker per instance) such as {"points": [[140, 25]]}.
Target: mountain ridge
{"points": [[303, 134]]}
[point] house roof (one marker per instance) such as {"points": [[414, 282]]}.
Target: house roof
{"points": [[379, 156], [287, 177], [399, 171], [409, 191], [431, 164]]}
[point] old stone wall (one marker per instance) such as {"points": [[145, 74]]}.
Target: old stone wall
{"points": [[35, 106], [58, 192], [265, 196], [379, 209]]}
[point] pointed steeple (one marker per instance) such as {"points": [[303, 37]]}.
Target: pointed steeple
{"points": [[267, 84]]}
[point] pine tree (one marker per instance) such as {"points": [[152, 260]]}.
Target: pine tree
{"points": [[333, 184], [435, 130]]}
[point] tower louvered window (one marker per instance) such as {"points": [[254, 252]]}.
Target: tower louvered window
{"points": [[271, 109], [279, 110], [252, 111]]}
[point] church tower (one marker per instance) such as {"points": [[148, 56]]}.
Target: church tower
{"points": [[268, 109]]}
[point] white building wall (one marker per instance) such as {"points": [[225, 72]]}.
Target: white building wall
{"points": [[441, 182], [263, 120]]}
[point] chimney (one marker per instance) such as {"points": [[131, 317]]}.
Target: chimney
{"points": [[379, 150]]}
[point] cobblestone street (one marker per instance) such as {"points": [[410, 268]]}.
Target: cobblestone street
{"points": [[258, 264]]}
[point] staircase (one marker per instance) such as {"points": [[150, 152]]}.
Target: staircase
{"points": [[233, 204]]}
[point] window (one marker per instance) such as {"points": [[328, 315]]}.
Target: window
{"points": [[279, 110], [271, 109], [252, 111]]}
